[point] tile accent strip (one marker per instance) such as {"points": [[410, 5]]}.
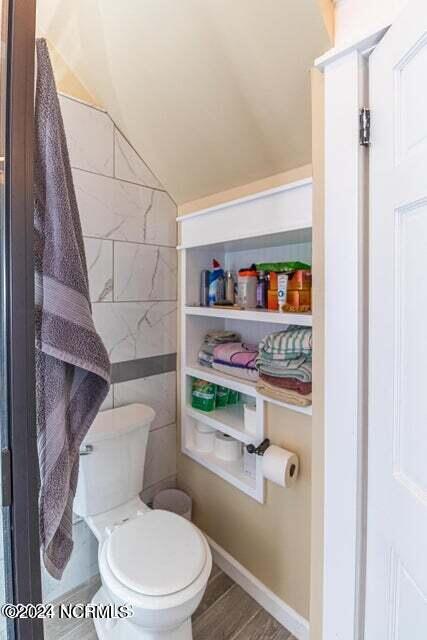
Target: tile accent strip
{"points": [[143, 367]]}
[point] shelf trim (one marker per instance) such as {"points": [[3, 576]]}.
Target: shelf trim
{"points": [[285, 405], [252, 315], [254, 196], [246, 387], [242, 386], [248, 487], [211, 421]]}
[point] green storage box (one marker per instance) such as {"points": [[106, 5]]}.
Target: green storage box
{"points": [[203, 395]]}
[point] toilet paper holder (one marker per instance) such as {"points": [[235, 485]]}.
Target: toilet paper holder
{"points": [[260, 449]]}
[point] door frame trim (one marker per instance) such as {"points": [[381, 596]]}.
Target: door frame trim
{"points": [[346, 75], [20, 312]]}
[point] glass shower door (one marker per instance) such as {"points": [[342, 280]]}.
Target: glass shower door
{"points": [[19, 546], [6, 628]]}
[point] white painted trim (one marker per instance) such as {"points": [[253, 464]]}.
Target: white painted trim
{"points": [[253, 196], [345, 344], [276, 607], [362, 45], [81, 101]]}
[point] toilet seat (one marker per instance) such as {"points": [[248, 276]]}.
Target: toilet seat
{"points": [[156, 554]]}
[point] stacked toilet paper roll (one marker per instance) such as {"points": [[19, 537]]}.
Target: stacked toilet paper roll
{"points": [[280, 466], [227, 448], [204, 437]]}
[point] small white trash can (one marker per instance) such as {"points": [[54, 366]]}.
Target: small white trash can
{"points": [[174, 500]]}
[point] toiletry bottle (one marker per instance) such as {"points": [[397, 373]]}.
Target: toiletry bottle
{"points": [[282, 289], [247, 282], [204, 288], [261, 291], [216, 283], [229, 287]]}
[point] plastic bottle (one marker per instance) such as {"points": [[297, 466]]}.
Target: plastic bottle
{"points": [[261, 291], [216, 283]]}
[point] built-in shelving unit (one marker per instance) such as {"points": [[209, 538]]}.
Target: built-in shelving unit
{"points": [[271, 226]]}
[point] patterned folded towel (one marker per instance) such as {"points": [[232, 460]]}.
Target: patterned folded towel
{"points": [[236, 372], [211, 340], [299, 369], [291, 384], [283, 395], [236, 354], [290, 344]]}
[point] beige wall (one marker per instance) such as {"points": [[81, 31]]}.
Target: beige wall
{"points": [[66, 81], [270, 182], [318, 362], [271, 540]]}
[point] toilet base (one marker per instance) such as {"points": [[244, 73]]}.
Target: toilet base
{"points": [[126, 630]]}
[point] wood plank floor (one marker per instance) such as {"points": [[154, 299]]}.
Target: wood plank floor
{"points": [[225, 613]]}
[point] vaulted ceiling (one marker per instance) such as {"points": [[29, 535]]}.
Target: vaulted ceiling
{"points": [[212, 93]]}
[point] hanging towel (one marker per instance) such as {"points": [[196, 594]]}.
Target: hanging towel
{"points": [[72, 365]]}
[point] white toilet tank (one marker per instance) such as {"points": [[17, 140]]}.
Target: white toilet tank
{"points": [[112, 459]]}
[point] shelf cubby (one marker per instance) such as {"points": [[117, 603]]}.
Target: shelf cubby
{"points": [[269, 227]]}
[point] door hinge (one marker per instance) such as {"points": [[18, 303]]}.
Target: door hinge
{"points": [[365, 127], [6, 478]]}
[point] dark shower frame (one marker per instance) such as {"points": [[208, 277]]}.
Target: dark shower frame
{"points": [[25, 585]]}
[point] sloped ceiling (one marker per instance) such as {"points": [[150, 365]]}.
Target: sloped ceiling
{"points": [[212, 93]]}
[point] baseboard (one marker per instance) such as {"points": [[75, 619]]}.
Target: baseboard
{"points": [[288, 617]]}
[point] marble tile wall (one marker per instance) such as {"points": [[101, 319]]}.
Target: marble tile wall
{"points": [[129, 228]]}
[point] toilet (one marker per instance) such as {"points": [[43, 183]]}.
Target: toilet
{"points": [[155, 561]]}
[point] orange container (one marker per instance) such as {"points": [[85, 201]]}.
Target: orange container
{"points": [[273, 281], [272, 300], [300, 279], [298, 300]]}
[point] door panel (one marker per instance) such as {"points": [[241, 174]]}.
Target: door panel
{"points": [[396, 596]]}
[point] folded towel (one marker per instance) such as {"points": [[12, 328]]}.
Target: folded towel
{"points": [[292, 384], [72, 365], [299, 369], [211, 340], [237, 372], [283, 395], [204, 358], [289, 344], [238, 354]]}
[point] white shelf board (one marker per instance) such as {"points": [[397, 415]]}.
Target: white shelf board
{"points": [[243, 386], [210, 375], [252, 315], [229, 420], [292, 407], [232, 472]]}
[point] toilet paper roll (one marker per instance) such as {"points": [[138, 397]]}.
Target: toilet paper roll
{"points": [[280, 466], [204, 438], [227, 448]]}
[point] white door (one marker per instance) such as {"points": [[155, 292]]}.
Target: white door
{"points": [[396, 599]]}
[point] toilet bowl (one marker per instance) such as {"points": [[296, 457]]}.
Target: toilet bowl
{"points": [[156, 562]]}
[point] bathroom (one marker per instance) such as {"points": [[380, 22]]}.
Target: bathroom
{"points": [[130, 233], [201, 475]]}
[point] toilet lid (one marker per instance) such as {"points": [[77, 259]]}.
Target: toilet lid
{"points": [[157, 553]]}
